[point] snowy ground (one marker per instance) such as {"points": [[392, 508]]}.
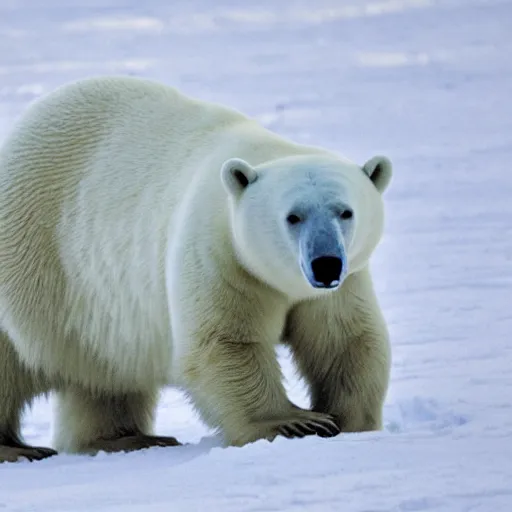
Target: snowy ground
{"points": [[427, 82]]}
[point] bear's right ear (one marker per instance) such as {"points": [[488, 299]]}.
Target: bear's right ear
{"points": [[379, 170], [236, 175]]}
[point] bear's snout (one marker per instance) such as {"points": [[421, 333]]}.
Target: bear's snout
{"points": [[327, 271], [322, 252]]}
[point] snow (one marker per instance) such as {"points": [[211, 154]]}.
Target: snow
{"points": [[426, 82]]}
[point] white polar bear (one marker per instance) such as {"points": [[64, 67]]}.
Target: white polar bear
{"points": [[148, 239]]}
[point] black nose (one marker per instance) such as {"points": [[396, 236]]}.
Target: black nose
{"points": [[327, 271]]}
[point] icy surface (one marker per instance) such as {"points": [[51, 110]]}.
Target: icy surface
{"points": [[426, 82]]}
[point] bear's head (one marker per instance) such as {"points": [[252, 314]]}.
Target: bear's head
{"points": [[301, 224]]}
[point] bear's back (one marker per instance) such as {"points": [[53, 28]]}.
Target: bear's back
{"points": [[89, 178]]}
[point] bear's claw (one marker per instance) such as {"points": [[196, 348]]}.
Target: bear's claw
{"points": [[301, 427], [31, 453], [132, 443]]}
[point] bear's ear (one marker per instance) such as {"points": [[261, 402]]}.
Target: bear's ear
{"points": [[379, 170], [237, 175]]}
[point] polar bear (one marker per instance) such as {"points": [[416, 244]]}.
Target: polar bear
{"points": [[148, 239]]}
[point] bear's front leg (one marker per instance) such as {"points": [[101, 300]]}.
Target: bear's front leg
{"points": [[226, 361], [340, 344]]}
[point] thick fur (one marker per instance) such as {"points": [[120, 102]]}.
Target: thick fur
{"points": [[128, 264], [346, 362]]}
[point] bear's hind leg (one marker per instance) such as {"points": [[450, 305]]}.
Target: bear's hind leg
{"points": [[18, 386], [90, 422]]}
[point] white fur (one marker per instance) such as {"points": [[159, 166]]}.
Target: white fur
{"points": [[126, 263]]}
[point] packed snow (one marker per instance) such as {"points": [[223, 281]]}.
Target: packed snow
{"points": [[426, 82]]}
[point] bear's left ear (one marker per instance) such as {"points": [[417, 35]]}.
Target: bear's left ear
{"points": [[379, 170], [236, 175]]}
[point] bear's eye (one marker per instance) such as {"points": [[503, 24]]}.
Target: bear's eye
{"points": [[293, 219], [346, 214]]}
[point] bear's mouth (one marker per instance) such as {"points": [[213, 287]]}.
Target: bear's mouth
{"points": [[324, 272], [322, 252]]}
